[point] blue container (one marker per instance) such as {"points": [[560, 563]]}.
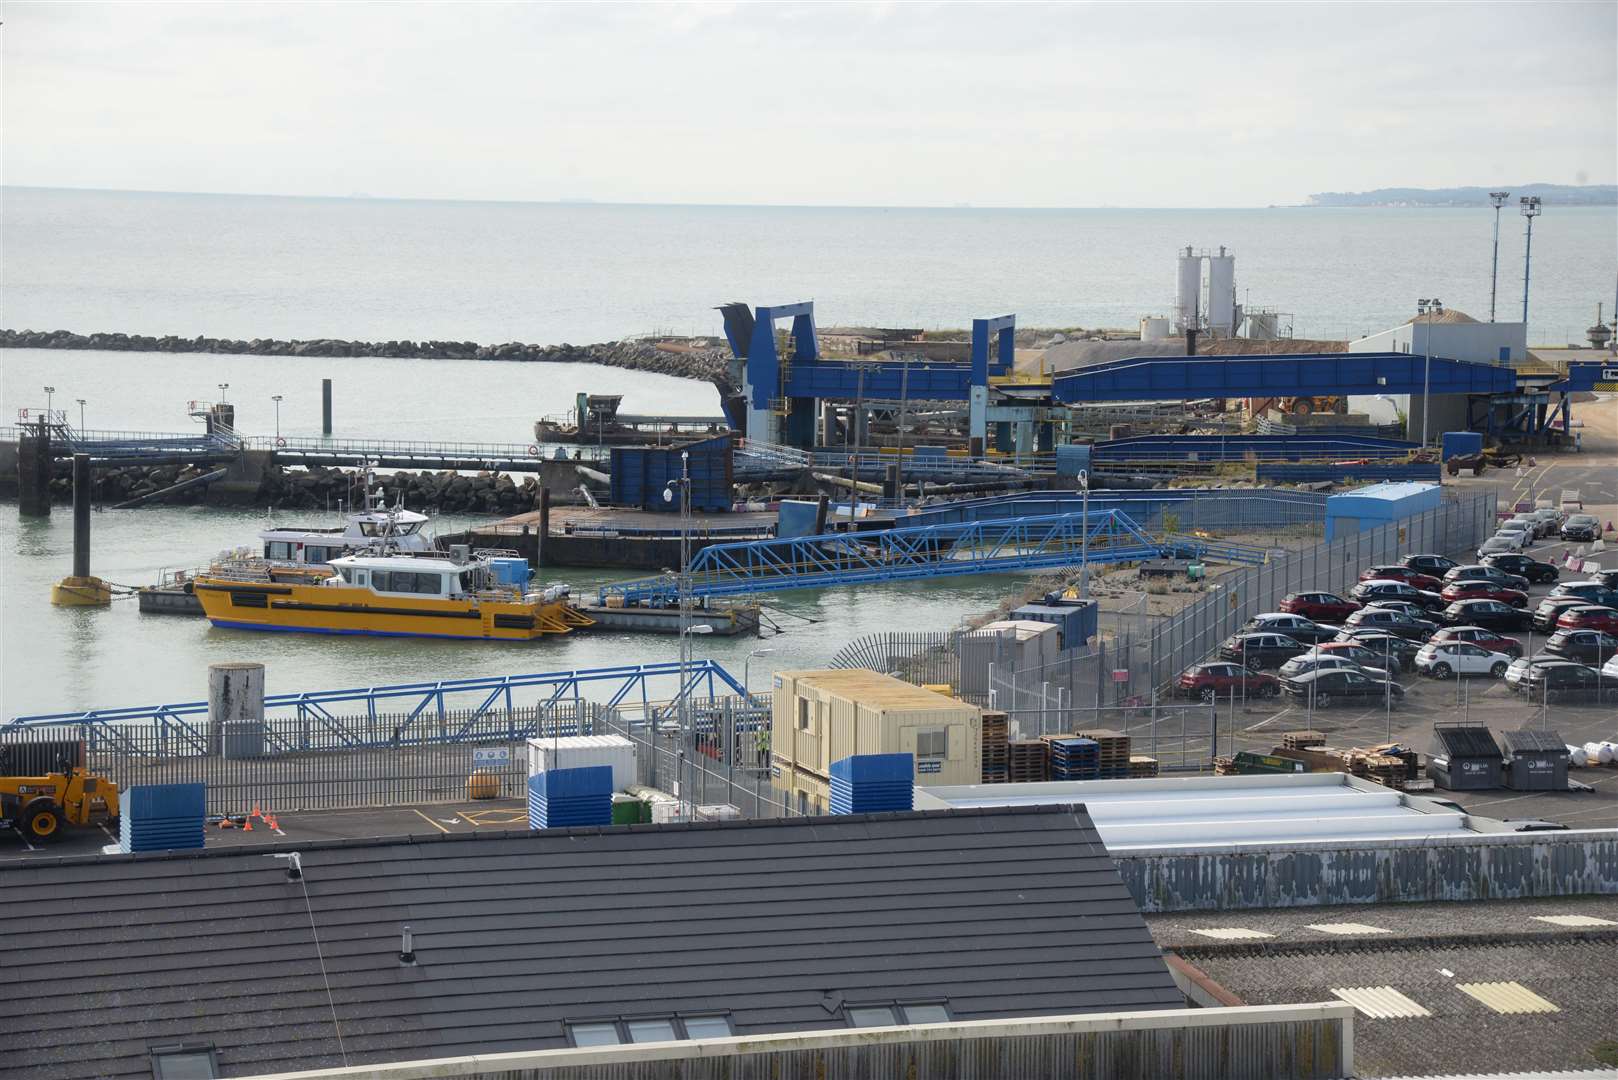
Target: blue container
{"points": [[510, 571], [1076, 620], [1072, 458], [162, 817], [641, 474], [872, 783], [561, 798], [1457, 443], [796, 518]]}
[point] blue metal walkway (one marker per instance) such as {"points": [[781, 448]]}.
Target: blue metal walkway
{"points": [[1292, 375], [1005, 545]]}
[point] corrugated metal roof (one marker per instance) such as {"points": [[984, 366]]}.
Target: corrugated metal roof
{"points": [[1533, 740], [1507, 997], [875, 689], [773, 922], [1380, 1002]]}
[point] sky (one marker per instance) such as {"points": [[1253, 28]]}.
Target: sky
{"points": [[869, 104]]}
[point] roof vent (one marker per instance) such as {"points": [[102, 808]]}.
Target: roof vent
{"points": [[407, 947]]}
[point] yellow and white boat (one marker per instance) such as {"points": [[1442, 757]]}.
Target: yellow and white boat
{"points": [[395, 596]]}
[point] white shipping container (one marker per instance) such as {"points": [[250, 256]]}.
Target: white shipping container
{"points": [[583, 751]]}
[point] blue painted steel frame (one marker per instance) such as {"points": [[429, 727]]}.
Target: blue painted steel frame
{"points": [[182, 726], [1291, 375], [1004, 328], [945, 550], [764, 364]]}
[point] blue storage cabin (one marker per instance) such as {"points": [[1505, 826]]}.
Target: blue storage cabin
{"points": [[1075, 621], [640, 475], [1459, 443], [1376, 505]]}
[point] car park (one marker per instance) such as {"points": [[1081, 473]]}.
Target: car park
{"points": [[1593, 647], [1293, 626], [1482, 637], [1550, 609], [1323, 689], [1392, 622], [1209, 682], [1526, 567], [1431, 565], [1557, 683], [1487, 571], [1444, 659], [1484, 590], [1520, 667], [1591, 592], [1490, 613], [1589, 617], [1401, 573], [1259, 651], [1581, 527], [1320, 606], [1366, 591], [1390, 649], [1313, 661]]}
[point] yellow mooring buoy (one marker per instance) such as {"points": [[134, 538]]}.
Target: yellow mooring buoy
{"points": [[81, 592]]}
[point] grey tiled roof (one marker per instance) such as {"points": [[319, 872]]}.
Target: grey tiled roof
{"points": [[1000, 912]]}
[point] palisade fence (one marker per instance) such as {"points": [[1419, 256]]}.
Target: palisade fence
{"points": [[1126, 680], [717, 754]]}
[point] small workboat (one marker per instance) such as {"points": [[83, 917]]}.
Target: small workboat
{"points": [[377, 524], [483, 596]]}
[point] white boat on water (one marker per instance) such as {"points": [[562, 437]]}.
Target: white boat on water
{"points": [[377, 526]]}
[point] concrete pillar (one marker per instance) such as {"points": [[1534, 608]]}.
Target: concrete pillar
{"points": [[890, 482], [821, 506], [81, 515], [325, 406], [235, 692], [34, 472]]}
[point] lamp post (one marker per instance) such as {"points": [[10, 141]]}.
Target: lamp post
{"points": [[1530, 210], [1084, 537], [222, 388], [277, 399], [1429, 308], [1499, 199], [50, 392], [81, 412], [683, 589], [747, 682]]}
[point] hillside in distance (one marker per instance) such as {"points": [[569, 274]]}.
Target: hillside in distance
{"points": [[1549, 194]]}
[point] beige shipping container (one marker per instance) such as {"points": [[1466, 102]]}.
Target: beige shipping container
{"points": [[819, 717]]}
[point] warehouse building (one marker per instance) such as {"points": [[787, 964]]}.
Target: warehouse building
{"points": [[1450, 334], [819, 717]]}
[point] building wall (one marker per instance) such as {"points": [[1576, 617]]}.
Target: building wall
{"points": [[1478, 342]]}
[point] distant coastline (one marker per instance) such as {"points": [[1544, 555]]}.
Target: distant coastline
{"points": [[1549, 194]]}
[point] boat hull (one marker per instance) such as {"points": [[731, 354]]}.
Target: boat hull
{"points": [[315, 609]]}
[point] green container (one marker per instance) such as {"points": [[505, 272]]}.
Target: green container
{"points": [[628, 810]]}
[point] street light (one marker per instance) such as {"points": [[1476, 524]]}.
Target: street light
{"points": [[1499, 199], [277, 399], [747, 682], [1530, 210], [49, 391], [1084, 537], [222, 388], [1429, 308], [81, 412]]}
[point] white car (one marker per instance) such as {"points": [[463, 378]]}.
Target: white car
{"points": [[1609, 670], [1519, 533], [1444, 659]]}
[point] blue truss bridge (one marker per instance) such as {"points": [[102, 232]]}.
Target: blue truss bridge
{"points": [[994, 546]]}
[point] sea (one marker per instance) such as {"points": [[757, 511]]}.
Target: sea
{"points": [[545, 273]]}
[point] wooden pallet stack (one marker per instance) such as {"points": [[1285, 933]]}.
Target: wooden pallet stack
{"points": [[1302, 740], [1142, 767], [1114, 753], [1025, 762], [1382, 768], [996, 735], [1073, 757]]}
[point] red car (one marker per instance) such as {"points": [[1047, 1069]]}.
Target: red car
{"points": [[1589, 618], [1320, 606], [1410, 577], [1484, 590], [1482, 638], [1207, 682]]}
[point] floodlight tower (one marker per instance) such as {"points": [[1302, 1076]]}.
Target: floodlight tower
{"points": [[1530, 210], [1499, 199]]}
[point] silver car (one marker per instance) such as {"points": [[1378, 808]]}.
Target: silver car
{"points": [[1314, 661]]}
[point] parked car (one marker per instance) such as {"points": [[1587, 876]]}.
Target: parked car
{"points": [[1484, 590], [1320, 606], [1609, 670], [1209, 682], [1567, 682], [1520, 667], [1519, 534], [1401, 573], [1293, 626], [1582, 527], [1528, 519], [1259, 651], [1526, 567], [1327, 688], [1481, 637], [1609, 578], [1550, 609], [1366, 591], [1444, 659], [1589, 617], [1313, 661], [1393, 622], [1498, 545], [1415, 611], [1593, 647], [1591, 592], [1490, 613], [1549, 520], [1431, 565], [1389, 648], [1356, 650], [1487, 571]]}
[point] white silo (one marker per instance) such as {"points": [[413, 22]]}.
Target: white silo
{"points": [[1188, 296], [1154, 328], [1222, 293]]}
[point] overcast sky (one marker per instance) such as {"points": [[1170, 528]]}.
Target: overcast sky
{"points": [[842, 104]]}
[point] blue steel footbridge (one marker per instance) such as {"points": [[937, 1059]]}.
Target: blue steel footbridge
{"points": [[1001, 545]]}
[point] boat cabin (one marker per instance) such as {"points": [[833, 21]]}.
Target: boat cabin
{"points": [[401, 529], [404, 575]]}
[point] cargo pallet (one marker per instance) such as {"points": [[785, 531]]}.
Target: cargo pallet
{"points": [[996, 735], [1026, 762]]}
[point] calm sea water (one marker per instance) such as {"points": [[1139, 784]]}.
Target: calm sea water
{"points": [[225, 265]]}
